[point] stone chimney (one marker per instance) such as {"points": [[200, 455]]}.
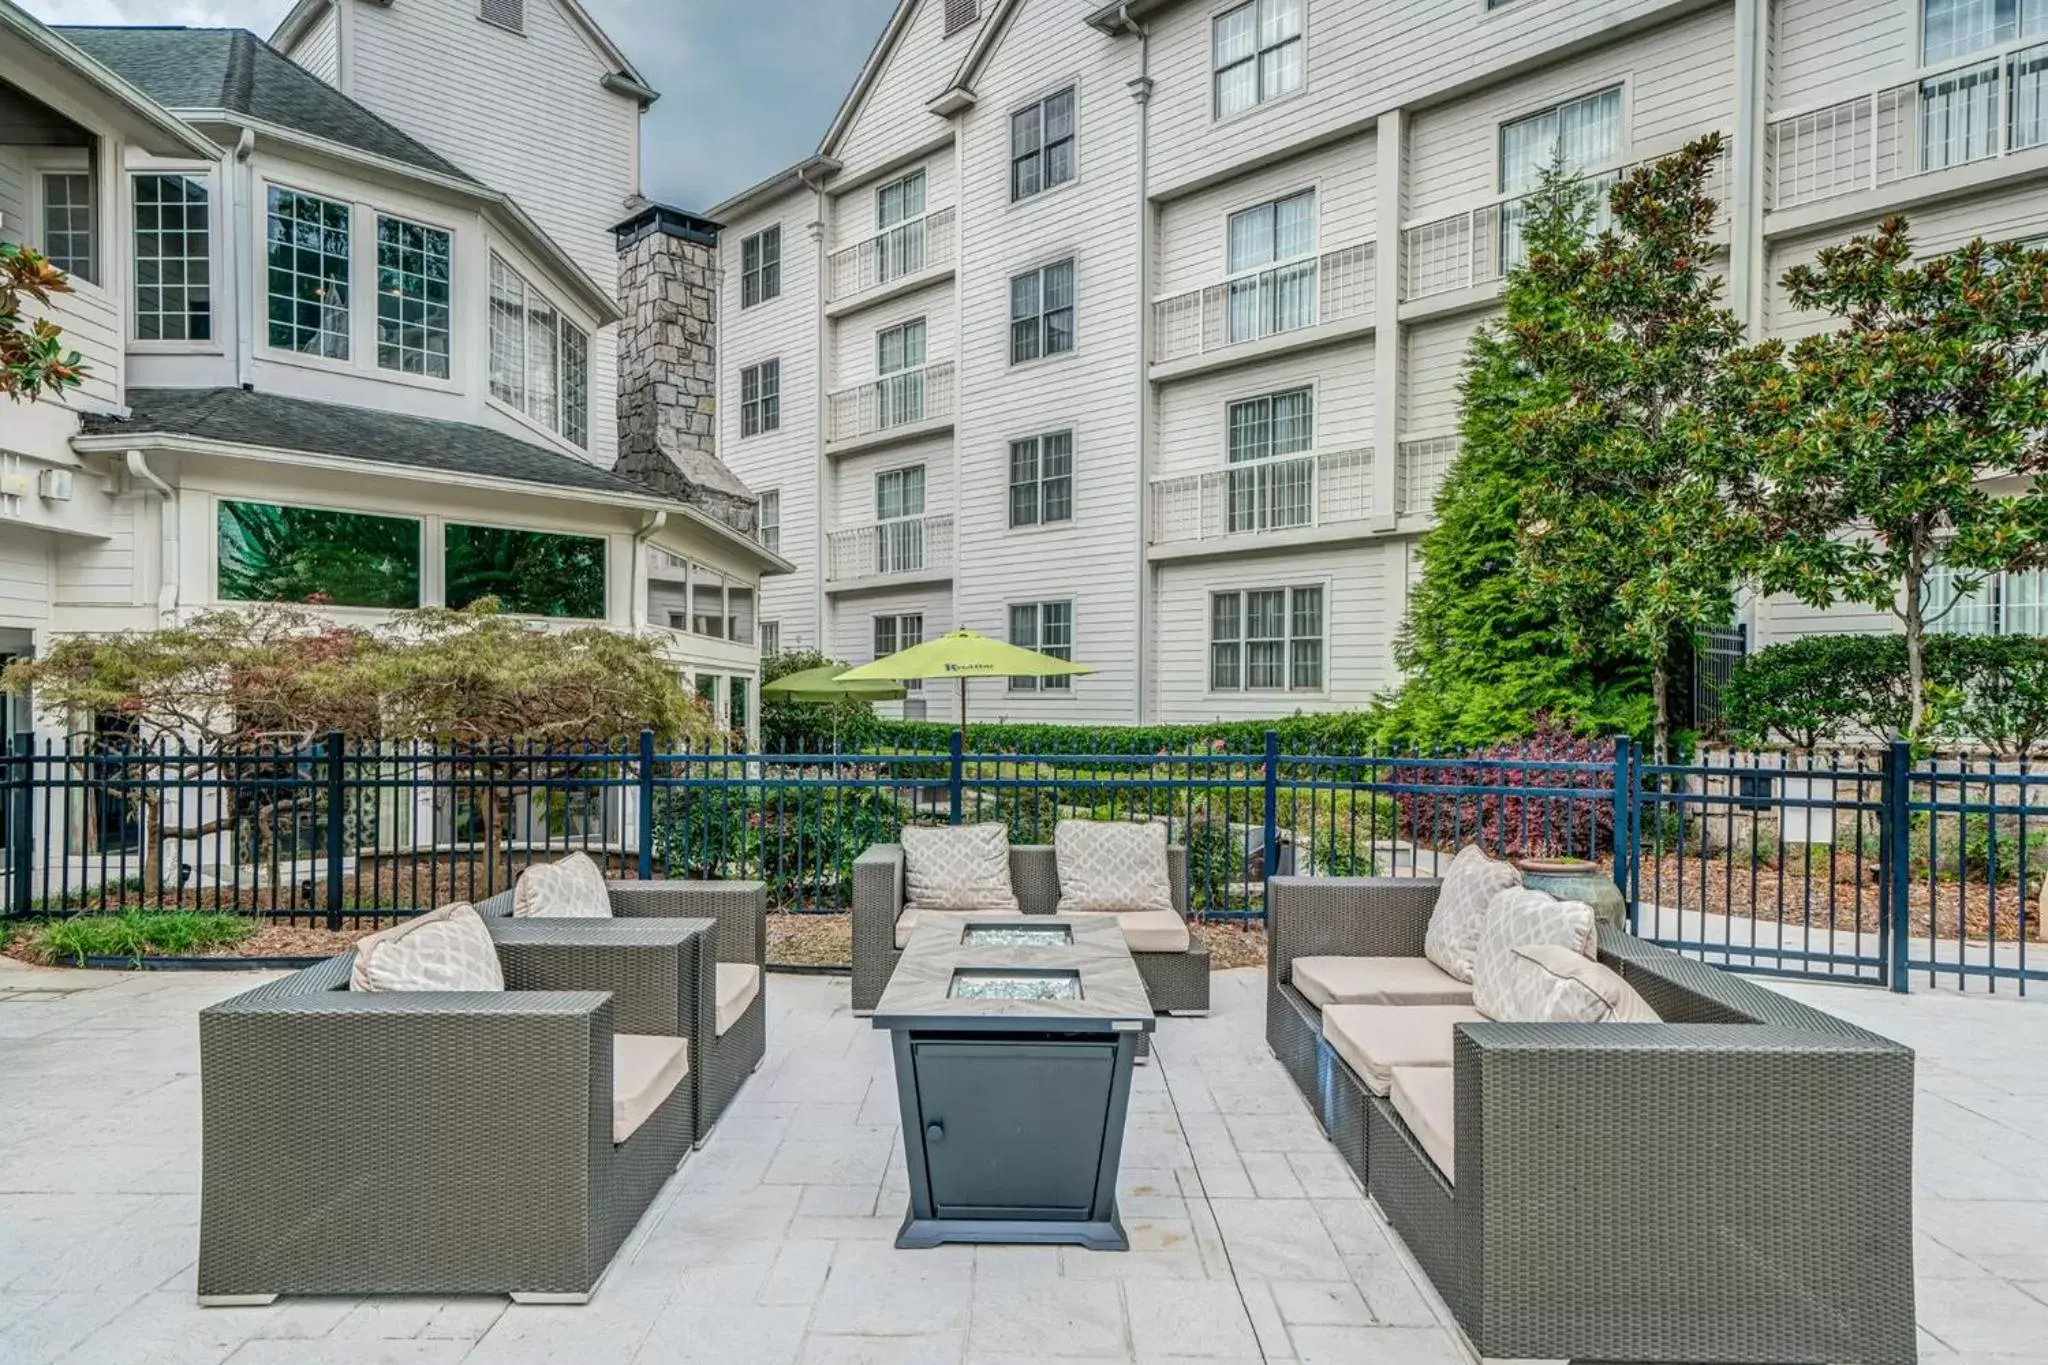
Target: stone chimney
{"points": [[668, 364]]}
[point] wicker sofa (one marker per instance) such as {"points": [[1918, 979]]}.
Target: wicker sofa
{"points": [[741, 909], [1177, 982], [447, 1142], [1733, 1184]]}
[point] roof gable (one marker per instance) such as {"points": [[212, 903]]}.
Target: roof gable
{"points": [[900, 25], [148, 124]]}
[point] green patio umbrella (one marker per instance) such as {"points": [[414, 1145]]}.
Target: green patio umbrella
{"points": [[827, 683], [964, 654]]}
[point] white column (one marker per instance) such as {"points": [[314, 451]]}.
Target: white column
{"points": [[1390, 186]]}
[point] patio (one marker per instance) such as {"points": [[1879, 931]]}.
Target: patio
{"points": [[1250, 1239]]}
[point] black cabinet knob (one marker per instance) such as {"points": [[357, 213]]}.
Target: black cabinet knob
{"points": [[935, 1132]]}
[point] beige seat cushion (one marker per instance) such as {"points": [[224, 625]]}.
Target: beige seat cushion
{"points": [[1424, 1097], [443, 950], [1565, 987], [1506, 985], [1470, 884], [737, 984], [1111, 865], [1325, 981], [646, 1069], [571, 888], [1154, 931], [958, 867], [907, 921], [1374, 1039]]}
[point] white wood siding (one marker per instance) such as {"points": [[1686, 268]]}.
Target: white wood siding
{"points": [[1193, 435], [24, 578], [103, 572], [319, 48], [892, 119], [855, 352], [853, 639], [853, 480], [1828, 50], [1436, 360], [1192, 230], [855, 212], [1781, 618]]}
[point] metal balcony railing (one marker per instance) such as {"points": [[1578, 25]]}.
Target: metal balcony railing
{"points": [[903, 399], [1424, 463], [1975, 112], [1259, 497], [1306, 293], [906, 249], [908, 545]]}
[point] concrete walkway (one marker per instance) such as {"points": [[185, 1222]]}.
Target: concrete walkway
{"points": [[1251, 1242]]}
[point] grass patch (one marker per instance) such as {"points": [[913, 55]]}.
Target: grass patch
{"points": [[135, 934]]}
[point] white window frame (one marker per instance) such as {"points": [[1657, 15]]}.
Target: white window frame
{"points": [[1039, 482], [1038, 319], [1261, 9], [215, 256], [67, 164], [2007, 602], [897, 641], [769, 632], [762, 412], [379, 218], [1039, 156], [1062, 683], [565, 327], [1242, 641], [763, 277], [1617, 90], [899, 536], [768, 521], [1260, 489], [351, 357]]}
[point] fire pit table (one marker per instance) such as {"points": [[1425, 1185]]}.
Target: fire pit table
{"points": [[1014, 1042]]}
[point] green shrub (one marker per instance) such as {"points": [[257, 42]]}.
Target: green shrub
{"points": [[136, 934], [801, 840], [1990, 688], [809, 727], [1818, 689]]}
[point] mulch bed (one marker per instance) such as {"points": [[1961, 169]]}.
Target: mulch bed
{"points": [[1836, 897]]}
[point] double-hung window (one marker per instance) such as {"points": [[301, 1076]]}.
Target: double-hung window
{"points": [[2012, 602], [70, 235], [1266, 640], [1047, 627], [1042, 479], [413, 282], [900, 632], [1272, 267], [1257, 54], [173, 258], [1042, 145], [1580, 137], [1269, 491], [899, 360], [761, 397], [768, 525], [771, 639], [540, 361], [308, 262], [899, 517], [1042, 312], [899, 219], [761, 266]]}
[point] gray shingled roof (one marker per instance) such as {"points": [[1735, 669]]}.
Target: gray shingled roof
{"points": [[233, 69], [274, 422]]}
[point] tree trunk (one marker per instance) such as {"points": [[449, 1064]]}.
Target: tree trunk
{"points": [[1914, 613]]}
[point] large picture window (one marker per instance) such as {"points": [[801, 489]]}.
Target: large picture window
{"points": [[540, 361], [271, 553], [309, 274], [173, 259], [413, 274], [537, 573], [1257, 54], [1266, 640]]}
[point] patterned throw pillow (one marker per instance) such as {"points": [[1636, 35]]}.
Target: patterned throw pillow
{"points": [[443, 950], [1505, 984], [1470, 884], [570, 889], [1111, 865], [1579, 991], [957, 867]]}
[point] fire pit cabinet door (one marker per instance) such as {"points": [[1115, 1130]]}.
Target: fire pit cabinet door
{"points": [[1013, 1129]]}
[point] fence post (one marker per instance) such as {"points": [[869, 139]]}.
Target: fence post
{"points": [[21, 825], [1272, 812], [959, 775], [1896, 824], [1623, 834], [336, 755], [646, 805]]}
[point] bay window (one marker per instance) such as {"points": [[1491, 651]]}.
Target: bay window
{"points": [[540, 361], [173, 258]]}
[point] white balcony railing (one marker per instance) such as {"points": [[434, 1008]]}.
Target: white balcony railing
{"points": [[903, 399], [1986, 109], [889, 549], [904, 250], [1424, 463], [1259, 497], [1328, 288]]}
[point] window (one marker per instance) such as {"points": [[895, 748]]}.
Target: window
{"points": [[540, 361], [1047, 627], [899, 360], [893, 633], [173, 259], [1042, 479], [1042, 312], [1042, 145], [761, 266], [771, 638], [1580, 136], [412, 297], [269, 553], [1257, 54], [899, 201], [1271, 249], [761, 397], [899, 218], [309, 274], [899, 510], [1951, 29], [1266, 639], [504, 13], [768, 527], [736, 704], [961, 13], [2014, 602], [68, 235], [537, 573], [1273, 493]]}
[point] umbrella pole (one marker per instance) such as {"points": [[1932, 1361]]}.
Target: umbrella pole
{"points": [[962, 680]]}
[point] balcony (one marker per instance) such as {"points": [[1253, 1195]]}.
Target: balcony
{"points": [[907, 403], [910, 549], [1334, 287], [1977, 112], [1424, 463], [902, 253], [1263, 498]]}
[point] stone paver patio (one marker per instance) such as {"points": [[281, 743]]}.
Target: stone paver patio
{"points": [[1250, 1239]]}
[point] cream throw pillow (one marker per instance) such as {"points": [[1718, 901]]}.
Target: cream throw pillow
{"points": [[1111, 865], [570, 889], [1507, 986], [957, 867], [443, 950], [1580, 991], [1470, 885]]}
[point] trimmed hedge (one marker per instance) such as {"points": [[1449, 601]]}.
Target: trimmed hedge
{"points": [[1325, 732]]}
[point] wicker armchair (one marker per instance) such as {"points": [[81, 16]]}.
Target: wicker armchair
{"points": [[741, 909], [1177, 982], [1734, 1184], [442, 1142]]}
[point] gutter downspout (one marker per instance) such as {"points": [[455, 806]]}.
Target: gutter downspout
{"points": [[640, 581], [167, 514], [1141, 94], [244, 193]]}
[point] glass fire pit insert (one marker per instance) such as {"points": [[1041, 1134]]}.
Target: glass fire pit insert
{"points": [[1017, 936], [1015, 983]]}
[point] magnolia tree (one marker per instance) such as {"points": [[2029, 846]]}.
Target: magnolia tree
{"points": [[33, 360]]}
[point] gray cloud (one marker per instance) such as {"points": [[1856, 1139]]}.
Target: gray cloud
{"points": [[747, 87]]}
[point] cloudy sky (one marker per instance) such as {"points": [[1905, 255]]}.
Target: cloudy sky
{"points": [[746, 86]]}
